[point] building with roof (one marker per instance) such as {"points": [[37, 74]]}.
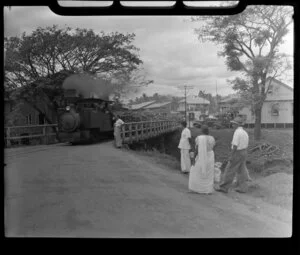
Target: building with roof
{"points": [[278, 108], [141, 105], [163, 109], [21, 113], [197, 108], [166, 106], [228, 103]]}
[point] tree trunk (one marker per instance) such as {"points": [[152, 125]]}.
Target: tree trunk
{"points": [[257, 126]]}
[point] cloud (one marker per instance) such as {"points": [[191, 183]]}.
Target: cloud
{"points": [[170, 50]]}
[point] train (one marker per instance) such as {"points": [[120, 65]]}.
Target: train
{"points": [[87, 115], [84, 119]]}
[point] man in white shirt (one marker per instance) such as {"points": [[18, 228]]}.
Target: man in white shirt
{"points": [[185, 146], [117, 131], [237, 159]]}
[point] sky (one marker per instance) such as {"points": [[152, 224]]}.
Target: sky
{"points": [[171, 53]]}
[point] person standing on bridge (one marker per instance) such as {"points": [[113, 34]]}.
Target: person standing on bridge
{"points": [[185, 146], [201, 179], [117, 131], [237, 160]]}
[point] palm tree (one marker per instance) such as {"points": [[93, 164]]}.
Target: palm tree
{"points": [[155, 96], [145, 97]]}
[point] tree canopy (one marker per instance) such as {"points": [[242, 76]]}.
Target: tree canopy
{"points": [[47, 51], [251, 43], [38, 63]]}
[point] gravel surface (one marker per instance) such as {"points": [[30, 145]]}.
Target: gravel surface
{"points": [[276, 189], [100, 191]]}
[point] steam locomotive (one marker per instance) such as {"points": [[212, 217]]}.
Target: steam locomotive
{"points": [[84, 119]]}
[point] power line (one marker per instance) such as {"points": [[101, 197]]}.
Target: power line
{"points": [[217, 95], [186, 87]]}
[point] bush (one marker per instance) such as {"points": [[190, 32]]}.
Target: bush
{"points": [[257, 166]]}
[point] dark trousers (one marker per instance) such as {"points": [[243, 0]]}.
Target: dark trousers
{"points": [[237, 166]]}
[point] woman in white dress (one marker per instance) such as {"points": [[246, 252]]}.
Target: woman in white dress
{"points": [[117, 131], [201, 179]]}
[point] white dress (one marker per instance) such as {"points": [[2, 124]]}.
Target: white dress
{"points": [[201, 179], [184, 146], [117, 133]]}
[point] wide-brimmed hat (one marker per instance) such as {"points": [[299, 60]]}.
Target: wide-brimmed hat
{"points": [[238, 121]]}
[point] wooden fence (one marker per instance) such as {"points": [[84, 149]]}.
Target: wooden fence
{"points": [[17, 135], [137, 131]]}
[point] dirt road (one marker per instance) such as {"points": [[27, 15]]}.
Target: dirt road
{"points": [[99, 191]]}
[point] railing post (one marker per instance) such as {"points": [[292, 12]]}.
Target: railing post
{"points": [[142, 132], [137, 131], [130, 133], [151, 129], [8, 143], [122, 133], [141, 126], [44, 135]]}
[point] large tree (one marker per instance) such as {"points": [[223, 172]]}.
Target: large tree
{"points": [[37, 64], [251, 43]]}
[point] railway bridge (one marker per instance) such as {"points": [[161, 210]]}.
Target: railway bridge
{"points": [[131, 132]]}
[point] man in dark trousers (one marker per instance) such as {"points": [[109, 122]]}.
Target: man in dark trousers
{"points": [[237, 159]]}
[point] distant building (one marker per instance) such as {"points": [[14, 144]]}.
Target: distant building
{"points": [[141, 106], [163, 109], [21, 113], [278, 108], [197, 108], [228, 103]]}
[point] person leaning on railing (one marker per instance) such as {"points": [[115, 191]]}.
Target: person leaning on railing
{"points": [[117, 131]]}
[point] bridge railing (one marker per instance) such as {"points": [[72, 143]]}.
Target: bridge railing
{"points": [[41, 134], [136, 131]]}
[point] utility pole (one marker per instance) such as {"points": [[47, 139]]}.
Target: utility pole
{"points": [[185, 112], [186, 87], [217, 96]]}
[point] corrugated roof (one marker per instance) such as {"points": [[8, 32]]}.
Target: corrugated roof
{"points": [[156, 105], [141, 105], [280, 98], [195, 100], [229, 98], [281, 83]]}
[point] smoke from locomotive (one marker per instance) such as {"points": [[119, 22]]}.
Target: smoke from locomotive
{"points": [[88, 86]]}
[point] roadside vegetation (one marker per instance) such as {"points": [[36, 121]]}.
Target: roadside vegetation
{"points": [[273, 179]]}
